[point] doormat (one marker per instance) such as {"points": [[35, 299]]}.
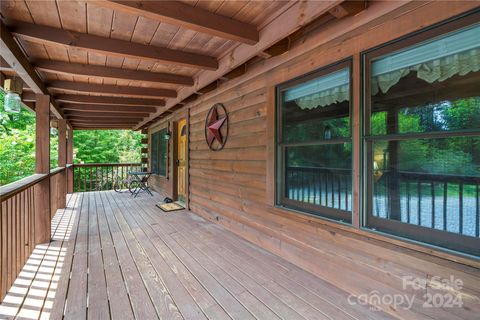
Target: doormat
{"points": [[167, 207]]}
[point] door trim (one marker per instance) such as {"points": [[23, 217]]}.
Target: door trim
{"points": [[175, 157]]}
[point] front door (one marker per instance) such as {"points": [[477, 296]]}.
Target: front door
{"points": [[181, 159]]}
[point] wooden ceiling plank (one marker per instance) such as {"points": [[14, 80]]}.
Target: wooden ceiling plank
{"points": [[107, 108], [86, 113], [83, 99], [60, 67], [188, 17], [4, 66], [15, 58], [348, 8], [111, 89], [289, 21], [103, 120], [111, 47]]}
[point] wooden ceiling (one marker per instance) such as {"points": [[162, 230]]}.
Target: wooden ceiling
{"points": [[119, 63]]}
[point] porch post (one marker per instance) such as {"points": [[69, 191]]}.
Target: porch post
{"points": [[70, 160], [62, 161], [42, 166]]}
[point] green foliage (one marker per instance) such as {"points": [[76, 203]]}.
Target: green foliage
{"points": [[453, 155], [106, 146], [17, 147]]}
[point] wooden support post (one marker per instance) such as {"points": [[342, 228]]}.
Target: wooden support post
{"points": [[70, 160], [42, 166], [62, 161], [393, 183]]}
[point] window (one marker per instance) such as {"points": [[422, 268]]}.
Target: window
{"points": [[159, 154], [314, 149], [422, 137]]}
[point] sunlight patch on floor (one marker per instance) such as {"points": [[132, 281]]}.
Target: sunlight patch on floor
{"points": [[32, 294]]}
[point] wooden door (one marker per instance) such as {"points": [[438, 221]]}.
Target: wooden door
{"points": [[181, 159]]}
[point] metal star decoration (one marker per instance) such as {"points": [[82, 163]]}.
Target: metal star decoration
{"points": [[214, 125]]}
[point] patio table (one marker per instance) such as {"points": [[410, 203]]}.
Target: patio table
{"points": [[140, 181]]}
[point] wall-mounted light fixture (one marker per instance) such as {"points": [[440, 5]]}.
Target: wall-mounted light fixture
{"points": [[167, 135], [12, 100], [327, 133]]}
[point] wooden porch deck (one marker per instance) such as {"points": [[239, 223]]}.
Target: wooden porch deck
{"points": [[117, 257]]}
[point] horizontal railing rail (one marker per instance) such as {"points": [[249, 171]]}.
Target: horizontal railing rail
{"points": [[102, 176]]}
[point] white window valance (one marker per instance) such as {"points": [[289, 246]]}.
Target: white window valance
{"points": [[321, 92], [457, 53]]}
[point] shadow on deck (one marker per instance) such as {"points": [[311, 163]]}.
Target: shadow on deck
{"points": [[119, 257]]}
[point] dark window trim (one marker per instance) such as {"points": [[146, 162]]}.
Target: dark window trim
{"points": [[443, 240], [337, 215]]}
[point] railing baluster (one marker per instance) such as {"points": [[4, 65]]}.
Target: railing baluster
{"points": [[347, 183], [460, 213], [314, 178], [419, 199], [445, 199], [408, 200], [432, 187], [477, 216], [333, 189], [339, 192]]}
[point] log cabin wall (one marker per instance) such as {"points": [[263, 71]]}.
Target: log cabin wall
{"points": [[235, 187]]}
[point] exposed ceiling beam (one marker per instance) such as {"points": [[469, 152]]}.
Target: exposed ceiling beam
{"points": [[348, 8], [67, 68], [71, 98], [185, 16], [28, 96], [103, 127], [108, 108], [103, 120], [4, 66], [289, 21], [111, 90], [14, 57], [86, 113], [102, 124], [110, 47]]}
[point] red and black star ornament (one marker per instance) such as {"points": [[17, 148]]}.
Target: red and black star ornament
{"points": [[216, 127]]}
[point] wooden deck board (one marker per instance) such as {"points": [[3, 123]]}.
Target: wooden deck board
{"points": [[123, 258]]}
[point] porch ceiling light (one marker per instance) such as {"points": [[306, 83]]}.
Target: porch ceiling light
{"points": [[12, 100]]}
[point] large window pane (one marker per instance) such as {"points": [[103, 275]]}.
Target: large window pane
{"points": [[423, 140], [314, 149], [159, 154]]}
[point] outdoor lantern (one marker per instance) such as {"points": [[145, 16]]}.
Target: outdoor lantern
{"points": [[327, 133], [167, 136], [12, 100]]}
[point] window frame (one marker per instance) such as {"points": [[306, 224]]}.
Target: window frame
{"points": [[444, 240], [156, 170], [323, 212]]}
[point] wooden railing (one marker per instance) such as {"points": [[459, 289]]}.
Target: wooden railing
{"points": [[17, 221], [328, 187], [444, 202], [102, 176]]}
